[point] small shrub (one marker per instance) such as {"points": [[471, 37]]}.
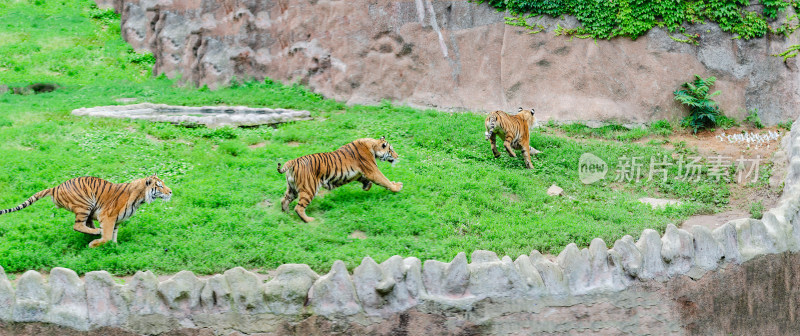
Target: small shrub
{"points": [[725, 122], [661, 127], [703, 112], [757, 210], [754, 119], [787, 125]]}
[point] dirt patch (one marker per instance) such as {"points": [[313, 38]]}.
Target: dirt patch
{"points": [[716, 143], [293, 144], [511, 197], [357, 235], [267, 203], [713, 221], [258, 145]]}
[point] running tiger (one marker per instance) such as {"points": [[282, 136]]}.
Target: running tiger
{"points": [[352, 162], [514, 130], [91, 198]]}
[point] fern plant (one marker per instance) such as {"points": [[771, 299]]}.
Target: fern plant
{"points": [[703, 112]]}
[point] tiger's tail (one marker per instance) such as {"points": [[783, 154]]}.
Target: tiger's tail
{"points": [[491, 123], [34, 198], [287, 166]]}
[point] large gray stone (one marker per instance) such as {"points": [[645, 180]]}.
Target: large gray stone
{"points": [[247, 291], [552, 274], [630, 257], [753, 238], [446, 279], [726, 235], [530, 275], [33, 298], [68, 305], [707, 251], [107, 301], [606, 273], [334, 293], [7, 297], [649, 246], [288, 291], [148, 314], [414, 283], [386, 289], [677, 249], [491, 277], [575, 264], [181, 293], [216, 295]]}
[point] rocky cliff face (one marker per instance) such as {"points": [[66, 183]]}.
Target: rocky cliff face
{"points": [[455, 55]]}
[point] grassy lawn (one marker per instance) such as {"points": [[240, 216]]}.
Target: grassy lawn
{"points": [[225, 210]]}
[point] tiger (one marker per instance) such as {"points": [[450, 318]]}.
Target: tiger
{"points": [[514, 130], [352, 162], [92, 198]]}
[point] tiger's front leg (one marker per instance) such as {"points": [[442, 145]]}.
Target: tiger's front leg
{"points": [[378, 177], [107, 225]]}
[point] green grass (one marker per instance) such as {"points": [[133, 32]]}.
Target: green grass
{"points": [[225, 208], [616, 131]]}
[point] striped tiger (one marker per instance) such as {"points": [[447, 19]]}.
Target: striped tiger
{"points": [[514, 130], [92, 198], [352, 162]]}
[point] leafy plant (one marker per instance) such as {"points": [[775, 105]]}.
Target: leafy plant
{"points": [[661, 127], [757, 210], [754, 119], [634, 18], [787, 125], [703, 112]]}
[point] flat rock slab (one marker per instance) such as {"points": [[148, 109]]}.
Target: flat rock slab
{"points": [[210, 116], [659, 202]]}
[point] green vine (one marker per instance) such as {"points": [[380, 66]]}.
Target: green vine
{"points": [[690, 38], [605, 19], [789, 53], [519, 21]]}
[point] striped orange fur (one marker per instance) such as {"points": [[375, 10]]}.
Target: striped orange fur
{"points": [[92, 198], [514, 130], [352, 162]]}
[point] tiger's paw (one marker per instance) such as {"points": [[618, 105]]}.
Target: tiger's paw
{"points": [[397, 186], [96, 243]]}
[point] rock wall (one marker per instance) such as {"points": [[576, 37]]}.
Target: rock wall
{"points": [[456, 55], [741, 278]]}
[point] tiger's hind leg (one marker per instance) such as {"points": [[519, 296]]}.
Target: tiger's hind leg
{"points": [[83, 222], [366, 183], [493, 141], [507, 145], [526, 154], [305, 198], [290, 195], [107, 225]]}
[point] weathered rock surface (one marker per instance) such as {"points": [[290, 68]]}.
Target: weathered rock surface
{"points": [[457, 55], [210, 116], [33, 298]]}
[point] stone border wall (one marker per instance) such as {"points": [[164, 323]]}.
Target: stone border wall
{"points": [[595, 289]]}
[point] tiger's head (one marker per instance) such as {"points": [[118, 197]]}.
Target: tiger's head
{"points": [[384, 151], [155, 188], [527, 115]]}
